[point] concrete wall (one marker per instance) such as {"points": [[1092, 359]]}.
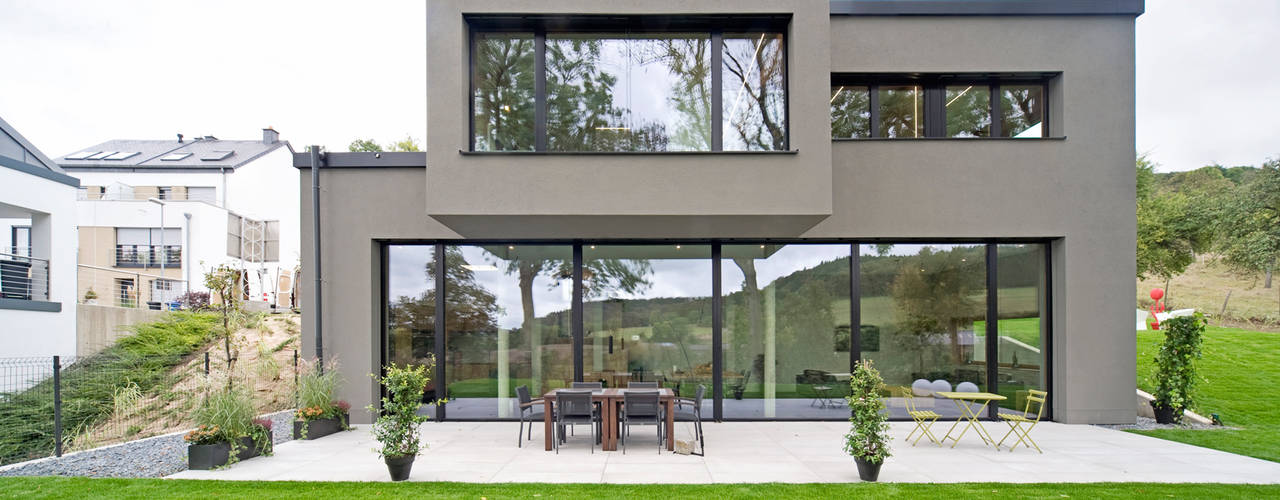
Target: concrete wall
{"points": [[97, 327], [1076, 189]]}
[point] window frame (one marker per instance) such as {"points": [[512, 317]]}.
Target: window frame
{"points": [[542, 25], [935, 86]]}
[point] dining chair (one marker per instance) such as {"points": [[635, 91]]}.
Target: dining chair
{"points": [[531, 410], [642, 385], [641, 407], [574, 407], [1017, 421], [588, 385], [924, 419], [693, 414]]}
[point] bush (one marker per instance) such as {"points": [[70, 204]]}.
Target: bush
{"points": [[317, 388], [868, 437], [397, 427], [230, 411], [1175, 374], [194, 301]]}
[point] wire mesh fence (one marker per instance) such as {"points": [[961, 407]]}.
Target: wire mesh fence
{"points": [[55, 405]]}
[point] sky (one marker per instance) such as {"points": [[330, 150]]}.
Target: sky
{"points": [[325, 72]]}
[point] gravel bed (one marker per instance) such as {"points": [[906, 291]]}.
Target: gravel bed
{"points": [[1148, 424], [151, 457]]}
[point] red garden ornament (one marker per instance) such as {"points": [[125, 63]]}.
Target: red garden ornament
{"points": [[1157, 307]]}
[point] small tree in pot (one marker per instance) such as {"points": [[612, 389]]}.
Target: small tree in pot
{"points": [[1175, 375], [397, 426], [868, 437]]}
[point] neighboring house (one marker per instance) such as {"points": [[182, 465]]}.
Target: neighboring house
{"points": [[621, 191], [221, 202], [37, 260]]}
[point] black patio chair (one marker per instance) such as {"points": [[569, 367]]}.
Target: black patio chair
{"points": [[531, 410], [693, 413], [641, 408], [574, 407]]}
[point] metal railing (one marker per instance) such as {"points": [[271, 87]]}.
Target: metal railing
{"points": [[23, 278], [113, 287], [148, 256]]}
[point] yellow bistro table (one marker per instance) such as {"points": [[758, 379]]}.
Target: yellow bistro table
{"points": [[962, 400]]}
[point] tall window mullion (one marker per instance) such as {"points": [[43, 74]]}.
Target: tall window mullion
{"points": [[540, 90], [995, 109], [717, 90]]}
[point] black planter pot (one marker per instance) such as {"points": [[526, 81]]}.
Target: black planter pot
{"points": [[868, 471], [210, 456], [1164, 414], [320, 427], [399, 467], [737, 394]]}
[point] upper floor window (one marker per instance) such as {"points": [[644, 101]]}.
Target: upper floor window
{"points": [[910, 106], [637, 84]]}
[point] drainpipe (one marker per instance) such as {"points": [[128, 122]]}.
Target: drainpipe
{"points": [[186, 251], [316, 160]]}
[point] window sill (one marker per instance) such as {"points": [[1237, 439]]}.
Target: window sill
{"points": [[125, 265], [622, 153], [30, 305], [956, 139]]}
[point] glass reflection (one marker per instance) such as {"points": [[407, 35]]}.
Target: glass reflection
{"points": [[786, 330], [1022, 111], [614, 92], [503, 98], [754, 92], [411, 307], [901, 111], [968, 111], [1022, 294], [850, 112], [647, 316], [922, 308], [507, 323]]}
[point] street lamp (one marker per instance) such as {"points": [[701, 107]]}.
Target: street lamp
{"points": [[163, 253]]}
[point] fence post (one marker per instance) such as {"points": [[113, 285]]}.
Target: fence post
{"points": [[295, 369], [57, 406], [206, 364]]}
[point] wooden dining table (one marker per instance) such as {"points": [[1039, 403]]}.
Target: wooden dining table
{"points": [[609, 400]]}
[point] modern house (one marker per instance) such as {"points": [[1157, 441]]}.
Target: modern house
{"points": [[153, 215], [656, 191], [37, 259]]}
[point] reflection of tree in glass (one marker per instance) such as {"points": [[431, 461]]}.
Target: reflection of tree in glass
{"points": [[503, 97], [689, 60], [754, 100], [1020, 108], [968, 111], [900, 109], [933, 295], [581, 115], [850, 112]]}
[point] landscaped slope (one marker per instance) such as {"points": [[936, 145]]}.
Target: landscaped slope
{"points": [[1240, 381]]}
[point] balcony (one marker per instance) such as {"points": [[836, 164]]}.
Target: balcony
{"points": [[23, 277], [148, 256]]}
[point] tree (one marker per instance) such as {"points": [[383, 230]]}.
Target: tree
{"points": [[221, 281], [1249, 230], [933, 294], [1172, 226], [372, 146]]}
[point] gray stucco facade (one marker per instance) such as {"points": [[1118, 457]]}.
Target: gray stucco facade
{"points": [[1073, 190]]}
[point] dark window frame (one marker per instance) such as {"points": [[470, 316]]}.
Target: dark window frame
{"points": [[934, 86], [542, 25], [855, 316]]}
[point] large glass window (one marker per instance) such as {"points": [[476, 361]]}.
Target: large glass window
{"points": [[629, 92], [411, 307], [786, 330], [1021, 296], [921, 308], [901, 111], [850, 112], [502, 98], [754, 92], [968, 111], [507, 313], [647, 316], [1022, 111]]}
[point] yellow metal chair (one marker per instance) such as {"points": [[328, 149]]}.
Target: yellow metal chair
{"points": [[924, 419], [1016, 421]]}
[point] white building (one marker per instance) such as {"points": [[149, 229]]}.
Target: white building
{"points": [[37, 261], [221, 201]]}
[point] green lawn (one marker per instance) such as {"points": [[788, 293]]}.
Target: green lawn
{"points": [[49, 487], [1239, 374]]}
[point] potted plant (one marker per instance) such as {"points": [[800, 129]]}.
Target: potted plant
{"points": [[227, 431], [90, 296], [1175, 374], [868, 437], [319, 414], [397, 426]]}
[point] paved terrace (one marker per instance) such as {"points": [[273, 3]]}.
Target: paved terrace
{"points": [[739, 452]]}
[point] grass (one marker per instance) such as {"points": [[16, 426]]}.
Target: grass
{"points": [[92, 387], [56, 487], [1204, 286], [1238, 371]]}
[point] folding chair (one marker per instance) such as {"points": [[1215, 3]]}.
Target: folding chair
{"points": [[924, 419], [1016, 421]]}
